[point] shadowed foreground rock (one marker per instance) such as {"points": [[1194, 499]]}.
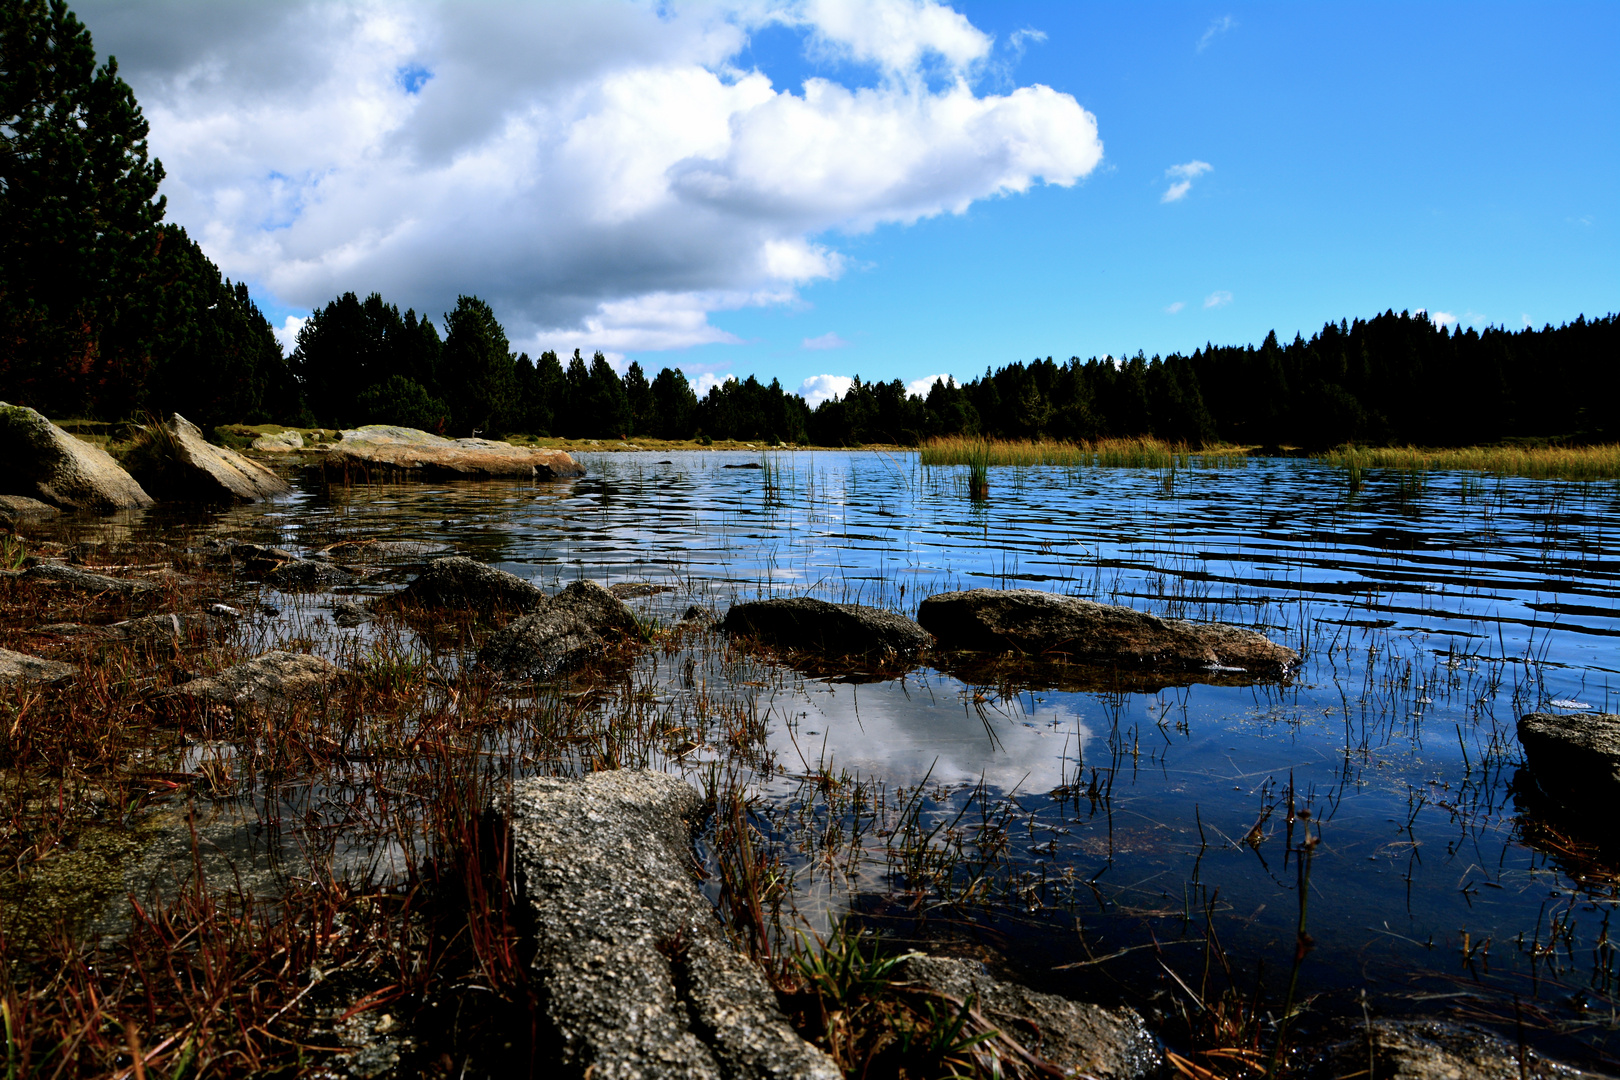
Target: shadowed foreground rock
{"points": [[638, 979], [44, 462], [272, 680], [57, 576], [1575, 759], [382, 448], [14, 508], [460, 582], [1042, 624], [1434, 1050], [16, 665], [1080, 1039], [567, 630], [816, 626], [174, 461]]}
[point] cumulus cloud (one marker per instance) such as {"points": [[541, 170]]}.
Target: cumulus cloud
{"points": [[1183, 177], [1175, 307], [1442, 318], [920, 387], [605, 174], [287, 332], [829, 340], [1218, 298], [1216, 29], [819, 388]]}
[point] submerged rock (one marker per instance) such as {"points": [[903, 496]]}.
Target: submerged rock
{"points": [[569, 629], [55, 575], [15, 666], [1575, 758], [637, 976], [15, 508], [385, 449], [281, 442], [271, 680], [809, 625], [460, 582], [1080, 1039], [1433, 1050], [44, 462], [1046, 625], [174, 461]]}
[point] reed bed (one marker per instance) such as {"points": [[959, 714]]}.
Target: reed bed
{"points": [[1102, 453], [1583, 463]]}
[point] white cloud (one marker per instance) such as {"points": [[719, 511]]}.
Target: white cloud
{"points": [[920, 387], [829, 340], [819, 388], [287, 332], [1175, 307], [603, 174], [1218, 298], [1442, 318], [707, 381], [1215, 30], [1184, 175]]}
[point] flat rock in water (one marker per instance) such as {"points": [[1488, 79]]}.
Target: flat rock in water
{"points": [[835, 630], [386, 448], [1080, 1039], [46, 463], [281, 442], [306, 574], [21, 508], [1434, 1050], [174, 461], [567, 631], [272, 679], [460, 582], [55, 575], [16, 666], [637, 977], [1042, 624], [1575, 758]]}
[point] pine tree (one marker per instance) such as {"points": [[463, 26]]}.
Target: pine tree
{"points": [[483, 394]]}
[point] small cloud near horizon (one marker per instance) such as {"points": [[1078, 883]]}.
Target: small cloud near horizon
{"points": [[1442, 318], [920, 387], [1216, 29], [1184, 176], [1218, 298], [829, 340], [1175, 307], [287, 332], [819, 388]]}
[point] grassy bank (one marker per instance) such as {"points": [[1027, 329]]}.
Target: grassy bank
{"points": [[1103, 453], [1536, 463]]}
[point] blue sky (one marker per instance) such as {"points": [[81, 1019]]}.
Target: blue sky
{"points": [[618, 176]]}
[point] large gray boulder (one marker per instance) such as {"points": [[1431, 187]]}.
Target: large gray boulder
{"points": [[569, 630], [1433, 1050], [1080, 1039], [282, 442], [804, 624], [173, 460], [383, 451], [460, 582], [44, 462], [637, 977], [1575, 758], [1046, 625], [16, 666]]}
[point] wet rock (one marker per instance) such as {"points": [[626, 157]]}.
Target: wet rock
{"points": [[816, 626], [15, 666], [271, 680], [46, 463], [1575, 758], [1433, 1050], [174, 461], [460, 582], [306, 574], [638, 978], [14, 508], [55, 575], [1080, 1039], [1042, 624], [255, 558], [172, 625], [569, 630], [635, 590], [382, 450], [349, 614], [281, 442]]}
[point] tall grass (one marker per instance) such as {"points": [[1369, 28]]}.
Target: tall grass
{"points": [[1536, 463], [1103, 453]]}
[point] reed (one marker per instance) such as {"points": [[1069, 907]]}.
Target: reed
{"points": [[1533, 462], [1102, 453]]}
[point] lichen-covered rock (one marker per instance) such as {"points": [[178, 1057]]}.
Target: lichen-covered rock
{"points": [[55, 575], [567, 631], [383, 450], [174, 461], [1434, 1050], [44, 462], [467, 584], [272, 680], [805, 624], [1575, 758], [281, 442], [1043, 624], [15, 666], [637, 978], [1080, 1039]]}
